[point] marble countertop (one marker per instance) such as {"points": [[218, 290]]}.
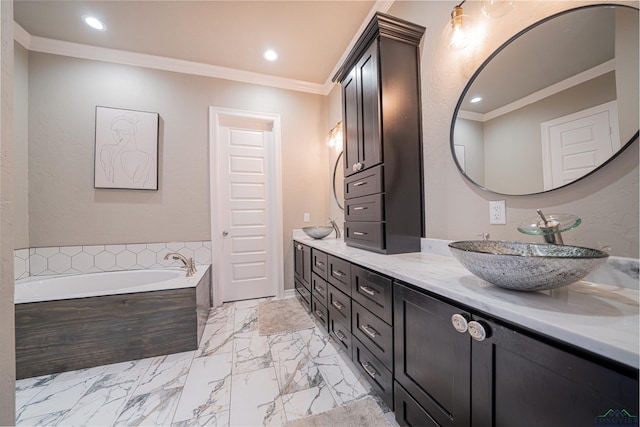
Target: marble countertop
{"points": [[602, 318]]}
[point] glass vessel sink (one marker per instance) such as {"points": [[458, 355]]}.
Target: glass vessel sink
{"points": [[527, 266], [318, 232]]}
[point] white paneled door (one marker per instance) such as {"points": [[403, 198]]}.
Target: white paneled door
{"points": [[245, 205], [574, 145]]}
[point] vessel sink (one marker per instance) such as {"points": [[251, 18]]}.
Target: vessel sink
{"points": [[318, 232], [527, 266]]}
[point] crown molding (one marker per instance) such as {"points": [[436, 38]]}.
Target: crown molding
{"points": [[555, 88], [83, 51], [123, 57]]}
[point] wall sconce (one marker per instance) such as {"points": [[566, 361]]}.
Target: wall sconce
{"points": [[335, 137], [458, 33]]}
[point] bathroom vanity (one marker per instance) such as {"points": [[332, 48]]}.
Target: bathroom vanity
{"points": [[442, 347]]}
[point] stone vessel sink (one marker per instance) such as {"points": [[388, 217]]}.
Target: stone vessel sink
{"points": [[527, 266], [318, 232]]}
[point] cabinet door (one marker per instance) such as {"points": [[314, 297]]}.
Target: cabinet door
{"points": [[361, 114], [350, 121], [370, 150], [432, 359], [304, 267], [523, 381]]}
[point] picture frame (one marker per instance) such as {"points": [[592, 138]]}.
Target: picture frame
{"points": [[126, 149]]}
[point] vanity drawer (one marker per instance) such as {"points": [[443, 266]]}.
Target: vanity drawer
{"points": [[367, 208], [373, 291], [321, 314], [375, 334], [340, 334], [339, 274], [339, 306], [319, 289], [368, 235], [319, 263], [303, 294], [380, 378], [364, 183]]}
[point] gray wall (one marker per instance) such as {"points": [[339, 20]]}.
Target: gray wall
{"points": [[513, 150], [65, 209], [20, 147], [455, 209], [7, 336]]}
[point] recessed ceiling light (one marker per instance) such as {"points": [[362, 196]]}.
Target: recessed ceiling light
{"points": [[270, 55], [94, 22], [476, 99]]}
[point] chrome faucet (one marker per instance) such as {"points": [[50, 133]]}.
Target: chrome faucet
{"points": [[550, 229], [335, 227], [189, 265]]}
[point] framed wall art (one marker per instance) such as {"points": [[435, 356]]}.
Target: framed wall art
{"points": [[126, 151]]}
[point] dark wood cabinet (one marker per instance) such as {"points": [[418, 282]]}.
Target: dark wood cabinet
{"points": [[319, 263], [382, 131], [432, 359], [302, 263], [361, 120], [489, 373], [302, 273]]}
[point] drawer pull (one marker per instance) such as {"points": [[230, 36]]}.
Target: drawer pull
{"points": [[320, 263], [367, 290], [318, 288], [359, 183], [338, 273], [319, 314], [359, 233], [337, 305], [367, 329], [369, 369], [340, 336], [360, 208]]}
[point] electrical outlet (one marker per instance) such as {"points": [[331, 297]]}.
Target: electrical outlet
{"points": [[497, 212], [306, 217]]}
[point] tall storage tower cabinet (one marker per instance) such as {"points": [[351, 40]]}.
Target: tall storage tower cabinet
{"points": [[380, 80]]}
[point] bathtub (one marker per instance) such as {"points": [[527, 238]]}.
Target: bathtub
{"points": [[73, 322]]}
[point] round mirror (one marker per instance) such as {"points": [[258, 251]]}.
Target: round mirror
{"points": [[553, 104]]}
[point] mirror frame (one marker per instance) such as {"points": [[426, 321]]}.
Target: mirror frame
{"points": [[633, 139]]}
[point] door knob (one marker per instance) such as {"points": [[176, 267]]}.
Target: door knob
{"points": [[225, 233]]}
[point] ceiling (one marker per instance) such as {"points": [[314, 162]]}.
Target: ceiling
{"points": [[311, 37]]}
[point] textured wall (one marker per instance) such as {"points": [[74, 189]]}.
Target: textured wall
{"points": [[7, 337], [65, 209], [607, 201]]}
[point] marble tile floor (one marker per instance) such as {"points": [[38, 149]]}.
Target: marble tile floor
{"points": [[235, 378]]}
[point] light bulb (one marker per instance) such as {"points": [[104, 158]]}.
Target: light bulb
{"points": [[459, 31]]}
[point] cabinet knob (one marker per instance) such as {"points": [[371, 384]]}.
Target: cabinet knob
{"points": [[299, 247], [477, 331], [357, 166], [459, 323]]}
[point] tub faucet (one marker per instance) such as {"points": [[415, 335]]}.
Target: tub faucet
{"points": [[189, 265], [335, 227]]}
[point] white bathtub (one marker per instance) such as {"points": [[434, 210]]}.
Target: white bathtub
{"points": [[53, 288], [74, 322]]}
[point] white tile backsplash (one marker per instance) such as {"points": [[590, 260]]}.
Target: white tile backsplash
{"points": [[95, 258]]}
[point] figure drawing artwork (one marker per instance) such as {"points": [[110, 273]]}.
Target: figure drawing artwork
{"points": [[126, 152]]}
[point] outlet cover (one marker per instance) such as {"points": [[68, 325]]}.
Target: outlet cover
{"points": [[306, 217], [497, 212]]}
